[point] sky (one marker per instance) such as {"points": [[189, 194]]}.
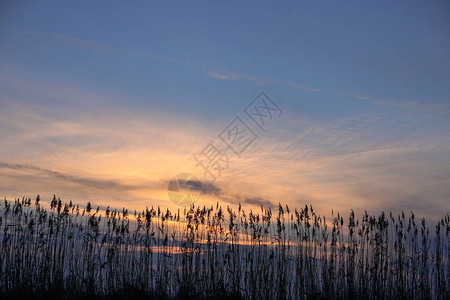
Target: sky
{"points": [[106, 102]]}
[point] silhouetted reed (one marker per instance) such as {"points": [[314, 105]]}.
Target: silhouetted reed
{"points": [[199, 253]]}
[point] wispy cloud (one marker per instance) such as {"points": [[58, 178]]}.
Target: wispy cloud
{"points": [[212, 71], [92, 148], [364, 162], [219, 73], [222, 74], [438, 109], [358, 96], [254, 201], [112, 185]]}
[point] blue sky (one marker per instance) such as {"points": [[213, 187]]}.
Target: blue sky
{"points": [[101, 91]]}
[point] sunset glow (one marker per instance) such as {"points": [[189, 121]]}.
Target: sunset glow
{"points": [[337, 114]]}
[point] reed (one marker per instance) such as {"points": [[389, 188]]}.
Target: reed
{"points": [[66, 251]]}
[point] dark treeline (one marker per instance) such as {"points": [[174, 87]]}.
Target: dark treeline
{"points": [[66, 251]]}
